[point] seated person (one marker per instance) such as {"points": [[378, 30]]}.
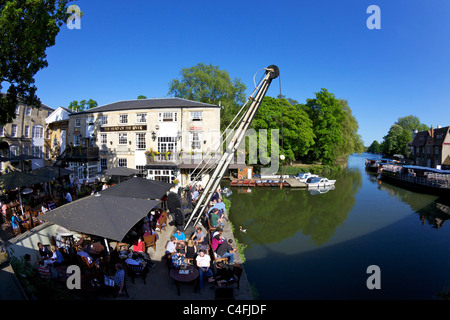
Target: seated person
{"points": [[200, 239], [191, 249], [223, 275], [216, 241], [178, 259], [56, 257], [138, 245], [119, 278], [43, 251], [171, 246], [215, 220], [203, 261], [43, 271], [225, 250], [180, 237]]}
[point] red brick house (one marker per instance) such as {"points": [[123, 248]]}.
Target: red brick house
{"points": [[431, 148]]}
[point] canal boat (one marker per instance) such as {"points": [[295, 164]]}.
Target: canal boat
{"points": [[318, 182]]}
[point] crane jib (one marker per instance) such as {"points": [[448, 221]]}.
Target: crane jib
{"points": [[272, 72]]}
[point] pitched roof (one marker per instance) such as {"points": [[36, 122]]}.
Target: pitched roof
{"points": [[155, 103], [436, 136]]}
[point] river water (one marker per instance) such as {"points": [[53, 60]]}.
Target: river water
{"points": [[319, 246]]}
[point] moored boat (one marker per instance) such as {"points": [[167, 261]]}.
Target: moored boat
{"points": [[318, 182]]}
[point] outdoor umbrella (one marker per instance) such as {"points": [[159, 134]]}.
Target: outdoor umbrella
{"points": [[17, 179], [137, 187], [22, 158], [94, 249], [49, 173], [121, 171], [101, 215]]}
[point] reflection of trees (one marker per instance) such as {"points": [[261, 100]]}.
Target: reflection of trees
{"points": [[271, 215], [429, 208]]}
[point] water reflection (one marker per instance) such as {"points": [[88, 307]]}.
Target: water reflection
{"points": [[431, 209], [271, 215]]}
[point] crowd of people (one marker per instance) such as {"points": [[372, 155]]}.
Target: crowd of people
{"points": [[206, 249]]}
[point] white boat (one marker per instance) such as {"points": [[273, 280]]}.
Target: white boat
{"points": [[303, 177], [321, 190], [319, 182]]}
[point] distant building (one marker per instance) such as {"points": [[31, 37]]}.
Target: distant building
{"points": [[431, 148], [57, 124], [26, 135]]}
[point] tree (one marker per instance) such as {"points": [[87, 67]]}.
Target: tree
{"points": [[395, 142], [351, 140], [294, 125], [374, 147], [209, 84], [28, 28], [140, 97], [411, 123], [82, 105], [327, 115]]}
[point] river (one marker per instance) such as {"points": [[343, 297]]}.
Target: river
{"points": [[319, 246]]}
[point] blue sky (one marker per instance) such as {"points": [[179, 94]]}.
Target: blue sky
{"points": [[128, 48]]}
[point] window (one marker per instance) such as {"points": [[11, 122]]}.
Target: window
{"points": [[167, 117], [27, 131], [2, 134], [38, 132], [26, 150], [122, 138], [47, 134], [141, 118], [17, 109], [36, 151], [77, 122], [140, 141], [28, 111], [123, 118], [196, 116], [14, 130], [122, 162], [90, 120], [104, 120], [47, 153], [103, 164], [142, 171], [103, 138], [195, 140], [14, 150], [166, 144], [76, 140]]}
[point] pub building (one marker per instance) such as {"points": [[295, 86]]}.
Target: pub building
{"points": [[164, 138]]}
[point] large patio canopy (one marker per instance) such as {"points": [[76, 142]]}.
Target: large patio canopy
{"points": [[102, 215], [137, 187]]}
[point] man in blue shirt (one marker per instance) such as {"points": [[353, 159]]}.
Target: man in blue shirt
{"points": [[219, 206], [180, 237]]}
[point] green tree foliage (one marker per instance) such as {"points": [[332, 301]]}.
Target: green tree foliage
{"points": [[395, 142], [352, 141], [82, 105], [375, 147], [141, 97], [209, 84], [327, 115], [294, 125], [28, 28]]}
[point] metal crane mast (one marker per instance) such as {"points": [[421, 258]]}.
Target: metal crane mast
{"points": [[271, 72]]}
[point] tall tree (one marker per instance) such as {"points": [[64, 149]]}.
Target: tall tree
{"points": [[209, 84], [351, 140], [28, 28], [395, 142], [375, 147], [294, 125], [327, 115], [141, 97]]}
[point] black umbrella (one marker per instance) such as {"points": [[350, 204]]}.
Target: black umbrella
{"points": [[121, 171], [137, 187], [22, 157], [101, 215]]}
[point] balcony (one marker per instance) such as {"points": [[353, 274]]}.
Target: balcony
{"points": [[190, 159]]}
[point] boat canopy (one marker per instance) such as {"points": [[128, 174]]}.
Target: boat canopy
{"points": [[427, 169]]}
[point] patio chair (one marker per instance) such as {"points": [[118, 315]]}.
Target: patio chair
{"points": [[137, 271], [150, 241]]}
